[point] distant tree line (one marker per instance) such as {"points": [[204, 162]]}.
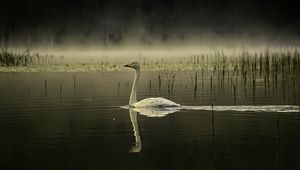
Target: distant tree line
{"points": [[110, 22]]}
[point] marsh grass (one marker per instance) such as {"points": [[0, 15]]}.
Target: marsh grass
{"points": [[276, 72], [26, 58], [46, 87], [242, 74]]}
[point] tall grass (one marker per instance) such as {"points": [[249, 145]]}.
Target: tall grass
{"points": [[26, 58], [242, 74]]}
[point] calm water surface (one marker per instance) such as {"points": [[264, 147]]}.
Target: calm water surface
{"points": [[74, 121]]}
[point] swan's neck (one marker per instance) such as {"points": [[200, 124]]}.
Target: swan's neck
{"points": [[134, 88]]}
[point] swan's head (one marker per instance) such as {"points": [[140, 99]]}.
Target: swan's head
{"points": [[134, 65]]}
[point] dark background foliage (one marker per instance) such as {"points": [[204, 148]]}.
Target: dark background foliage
{"points": [[62, 21]]}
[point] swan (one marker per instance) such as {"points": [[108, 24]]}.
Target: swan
{"points": [[148, 102]]}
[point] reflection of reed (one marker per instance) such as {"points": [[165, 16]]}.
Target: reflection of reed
{"points": [[283, 90], [159, 83], [202, 79], [278, 155], [214, 154], [172, 84], [196, 85], [265, 82], [245, 89], [60, 90], [119, 85], [294, 89], [46, 86], [150, 87], [211, 90], [74, 84], [171, 132], [234, 94], [253, 89]]}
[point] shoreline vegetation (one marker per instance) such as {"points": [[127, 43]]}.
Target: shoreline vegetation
{"points": [[244, 73], [266, 62]]}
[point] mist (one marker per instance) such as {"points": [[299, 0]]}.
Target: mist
{"points": [[148, 23]]}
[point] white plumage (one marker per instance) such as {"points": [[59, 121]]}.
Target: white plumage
{"points": [[155, 102], [148, 102]]}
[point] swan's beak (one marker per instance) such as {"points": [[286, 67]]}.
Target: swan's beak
{"points": [[128, 65]]}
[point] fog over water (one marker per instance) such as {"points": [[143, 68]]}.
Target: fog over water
{"points": [[115, 23]]}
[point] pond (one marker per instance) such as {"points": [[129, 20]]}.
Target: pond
{"points": [[80, 121]]}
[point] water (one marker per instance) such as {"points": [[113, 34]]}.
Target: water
{"points": [[76, 121]]}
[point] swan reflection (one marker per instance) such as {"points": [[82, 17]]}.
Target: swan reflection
{"points": [[138, 143], [163, 111], [149, 112]]}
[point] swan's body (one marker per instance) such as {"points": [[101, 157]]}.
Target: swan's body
{"points": [[148, 102], [155, 102]]}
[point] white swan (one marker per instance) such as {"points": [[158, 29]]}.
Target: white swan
{"points": [[148, 102]]}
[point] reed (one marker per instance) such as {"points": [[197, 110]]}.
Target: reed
{"points": [[211, 90], [118, 89], [159, 82], [150, 86], [9, 58], [253, 89], [46, 87], [196, 84], [74, 84], [234, 94], [172, 83], [61, 90]]}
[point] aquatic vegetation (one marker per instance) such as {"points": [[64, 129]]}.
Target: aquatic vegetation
{"points": [[240, 73], [26, 58]]}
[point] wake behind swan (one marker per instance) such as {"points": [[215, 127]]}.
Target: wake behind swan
{"points": [[247, 108], [163, 111]]}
